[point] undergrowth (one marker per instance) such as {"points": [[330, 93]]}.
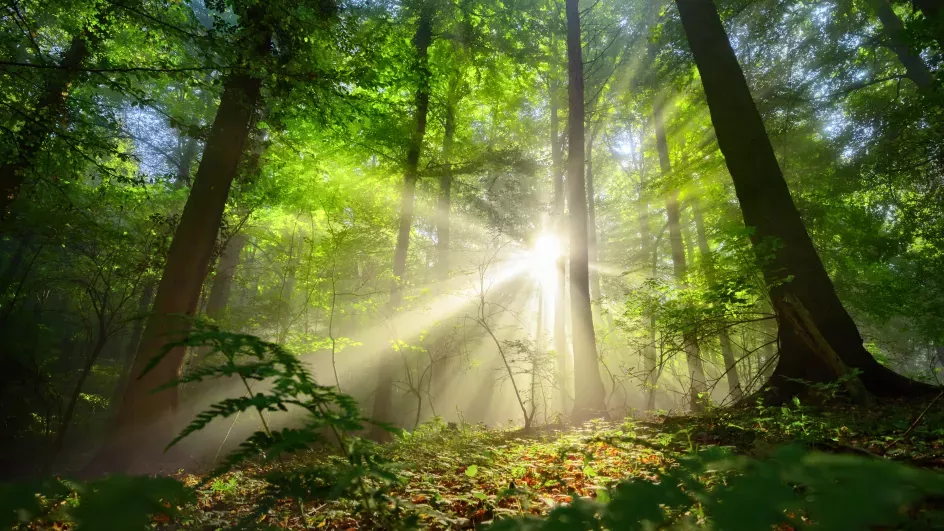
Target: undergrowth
{"points": [[794, 467]]}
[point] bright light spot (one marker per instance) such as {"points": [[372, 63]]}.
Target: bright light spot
{"points": [[544, 255], [547, 249]]}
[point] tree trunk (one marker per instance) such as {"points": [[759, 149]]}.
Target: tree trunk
{"points": [[727, 352], [383, 395], [187, 262], [444, 205], [894, 30], [561, 349], [41, 121], [768, 208], [90, 360], [589, 394], [127, 354], [225, 273], [595, 291], [696, 371]]}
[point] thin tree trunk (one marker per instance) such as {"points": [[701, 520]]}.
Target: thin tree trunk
{"points": [[894, 30], [595, 291], [589, 393], [187, 262], [647, 251], [41, 121], [225, 273], [561, 349], [127, 354], [696, 371], [66, 420], [444, 205], [768, 208], [383, 395], [727, 352]]}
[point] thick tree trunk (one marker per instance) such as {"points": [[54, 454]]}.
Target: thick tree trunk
{"points": [[768, 208], [894, 30], [589, 393], [696, 372], [187, 262], [383, 395], [42, 120], [727, 352]]}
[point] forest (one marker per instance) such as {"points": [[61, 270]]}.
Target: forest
{"points": [[471, 264]]}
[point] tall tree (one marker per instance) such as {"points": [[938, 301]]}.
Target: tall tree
{"points": [[724, 338], [188, 261], [696, 372], [43, 117], [383, 395], [791, 265], [589, 394], [894, 31]]}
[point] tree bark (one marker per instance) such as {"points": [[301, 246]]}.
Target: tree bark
{"points": [[383, 395], [696, 371], [41, 121], [589, 394], [894, 30], [768, 209], [187, 262]]}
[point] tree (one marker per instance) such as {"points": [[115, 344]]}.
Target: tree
{"points": [[696, 372], [383, 396], [791, 265], [589, 394], [188, 259]]}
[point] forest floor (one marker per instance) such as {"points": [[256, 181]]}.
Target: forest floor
{"points": [[461, 477]]}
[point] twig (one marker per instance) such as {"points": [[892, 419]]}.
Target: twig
{"points": [[917, 420]]}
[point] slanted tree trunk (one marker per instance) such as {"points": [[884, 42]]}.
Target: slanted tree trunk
{"points": [[383, 395], [41, 121], [187, 262], [589, 394], [894, 31], [768, 208], [727, 352], [696, 371]]}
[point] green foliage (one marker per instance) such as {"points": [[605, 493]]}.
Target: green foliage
{"points": [[113, 503], [791, 486], [330, 418]]}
